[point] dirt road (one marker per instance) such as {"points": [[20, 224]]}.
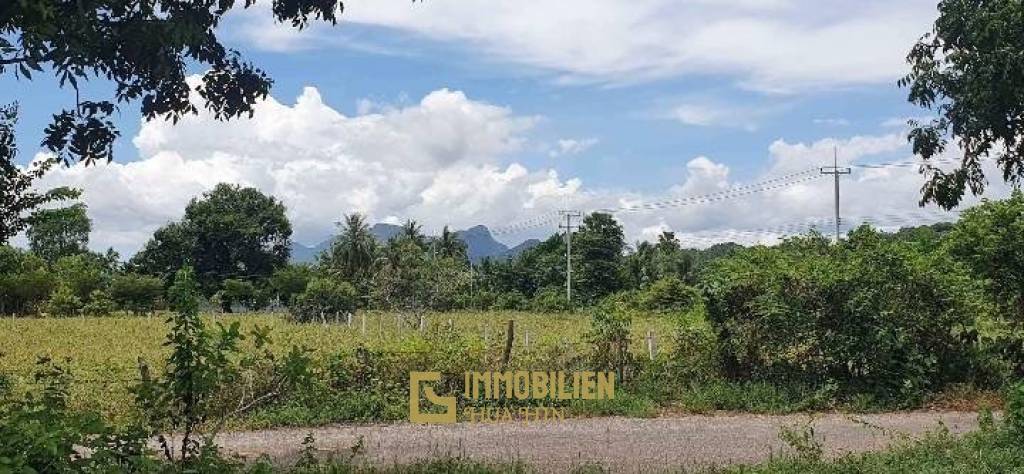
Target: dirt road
{"points": [[621, 444]]}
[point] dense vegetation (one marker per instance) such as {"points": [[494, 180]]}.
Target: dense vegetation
{"points": [[876, 320]]}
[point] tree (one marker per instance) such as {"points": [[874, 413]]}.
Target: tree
{"points": [[988, 239], [413, 231], [18, 201], [290, 281], [136, 293], [144, 49], [25, 281], [970, 71], [324, 300], [352, 253], [83, 274], [167, 251], [449, 245], [57, 233], [236, 291], [230, 232], [598, 248], [63, 302], [870, 316]]}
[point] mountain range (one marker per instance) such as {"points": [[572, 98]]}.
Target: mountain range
{"points": [[480, 244]]}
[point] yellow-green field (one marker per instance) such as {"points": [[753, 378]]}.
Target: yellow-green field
{"points": [[102, 353]]}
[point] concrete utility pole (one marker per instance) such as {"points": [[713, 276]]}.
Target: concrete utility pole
{"points": [[835, 171], [568, 226]]}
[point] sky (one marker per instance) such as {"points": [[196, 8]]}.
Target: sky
{"points": [[709, 118]]}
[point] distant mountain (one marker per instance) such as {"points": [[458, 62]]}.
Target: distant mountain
{"points": [[303, 254], [518, 249], [480, 244], [384, 232]]}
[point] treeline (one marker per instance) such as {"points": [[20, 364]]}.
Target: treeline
{"points": [[237, 240]]}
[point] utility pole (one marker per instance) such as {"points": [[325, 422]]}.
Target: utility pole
{"points": [[568, 226], [835, 171]]}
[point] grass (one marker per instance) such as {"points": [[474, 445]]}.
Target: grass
{"points": [[103, 353]]}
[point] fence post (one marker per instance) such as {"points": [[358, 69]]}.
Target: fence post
{"points": [[526, 339], [363, 329], [506, 356], [423, 322], [651, 349]]}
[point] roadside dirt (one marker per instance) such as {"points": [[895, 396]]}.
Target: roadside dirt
{"points": [[619, 444]]}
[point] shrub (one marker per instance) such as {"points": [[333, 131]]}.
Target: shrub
{"points": [[38, 433], [550, 300], [871, 315], [668, 295], [1015, 410], [100, 304], [25, 281], [136, 293], [234, 291], [511, 301], [609, 334], [289, 281], [323, 300], [63, 302], [83, 273]]}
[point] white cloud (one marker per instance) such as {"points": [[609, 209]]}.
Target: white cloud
{"points": [[718, 114], [438, 161], [831, 121], [571, 146], [447, 160], [768, 45]]}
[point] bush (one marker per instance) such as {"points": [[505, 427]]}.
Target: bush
{"points": [[25, 281], [510, 301], [1015, 410], [100, 304], [63, 302], [136, 293], [550, 300], [668, 295], [234, 291], [38, 433], [609, 333], [323, 300], [870, 315], [289, 281]]}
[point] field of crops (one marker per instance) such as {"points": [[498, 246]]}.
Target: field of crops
{"points": [[103, 353]]}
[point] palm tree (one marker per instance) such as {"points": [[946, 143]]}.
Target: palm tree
{"points": [[450, 245], [413, 231], [352, 253]]}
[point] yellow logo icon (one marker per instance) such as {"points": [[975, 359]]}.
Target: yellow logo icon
{"points": [[415, 379]]}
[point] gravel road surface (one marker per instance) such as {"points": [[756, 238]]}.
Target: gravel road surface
{"points": [[620, 444]]}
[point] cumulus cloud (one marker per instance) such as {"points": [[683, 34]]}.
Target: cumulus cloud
{"points": [[719, 114], [441, 160], [449, 159], [768, 45], [571, 146]]}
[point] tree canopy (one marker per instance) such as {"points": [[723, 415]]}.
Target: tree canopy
{"points": [[142, 47], [969, 70], [18, 199], [62, 232], [231, 232]]}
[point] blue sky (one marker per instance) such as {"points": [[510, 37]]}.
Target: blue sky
{"points": [[537, 107]]}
